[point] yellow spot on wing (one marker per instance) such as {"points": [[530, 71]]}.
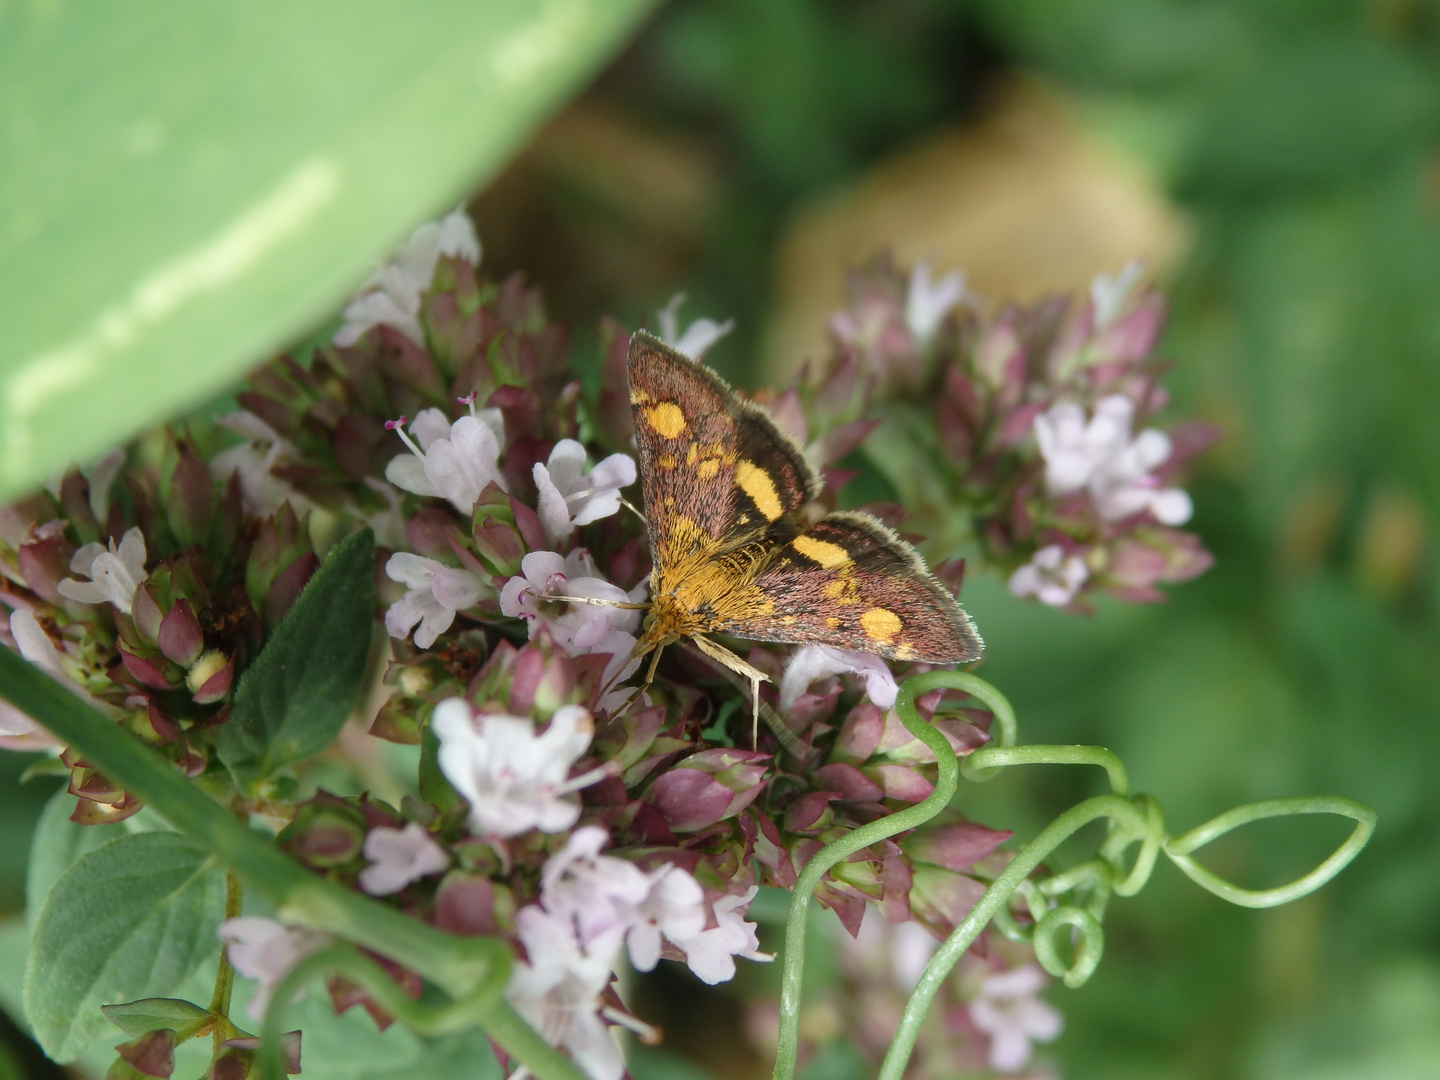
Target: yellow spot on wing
{"points": [[638, 397], [831, 621], [756, 483], [666, 418], [666, 461], [708, 468], [828, 555], [879, 624]]}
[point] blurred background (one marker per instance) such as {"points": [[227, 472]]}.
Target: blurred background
{"points": [[1277, 164]]}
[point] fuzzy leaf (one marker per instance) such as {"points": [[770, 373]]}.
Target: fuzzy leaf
{"points": [[292, 702], [131, 919]]}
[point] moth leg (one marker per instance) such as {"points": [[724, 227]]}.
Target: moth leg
{"points": [[631, 507], [722, 655], [649, 678]]}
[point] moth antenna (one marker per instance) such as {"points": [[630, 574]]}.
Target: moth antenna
{"points": [[597, 601], [632, 508]]}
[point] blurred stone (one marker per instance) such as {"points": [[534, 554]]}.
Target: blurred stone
{"points": [[595, 189], [1392, 543], [1023, 201]]}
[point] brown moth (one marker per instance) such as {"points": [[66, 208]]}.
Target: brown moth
{"points": [[723, 489]]}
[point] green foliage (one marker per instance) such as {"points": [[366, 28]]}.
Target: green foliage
{"points": [[190, 185], [149, 1014], [130, 919], [58, 843], [292, 702]]}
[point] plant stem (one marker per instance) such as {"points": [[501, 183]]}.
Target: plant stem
{"points": [[225, 976]]}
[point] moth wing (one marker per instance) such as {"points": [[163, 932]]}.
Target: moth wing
{"points": [[716, 471], [851, 583]]}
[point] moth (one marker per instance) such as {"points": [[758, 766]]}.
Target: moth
{"points": [[723, 489]]}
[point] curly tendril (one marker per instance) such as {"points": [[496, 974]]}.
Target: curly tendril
{"points": [[1067, 908]]}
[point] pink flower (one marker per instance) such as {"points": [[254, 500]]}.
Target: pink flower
{"points": [[711, 953], [1108, 294], [398, 857], [568, 498], [251, 461], [814, 662], [391, 295], [576, 628], [18, 731], [1008, 1011], [514, 779], [264, 949], [114, 573], [698, 336], [1051, 576], [435, 593], [557, 989], [927, 303], [1100, 457], [602, 895], [453, 461]]}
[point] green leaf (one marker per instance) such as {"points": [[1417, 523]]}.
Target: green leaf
{"points": [[230, 172], [131, 919], [59, 842], [135, 1018], [292, 702]]}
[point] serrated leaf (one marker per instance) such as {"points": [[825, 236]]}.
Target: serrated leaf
{"points": [[131, 919], [135, 1018], [293, 700], [229, 174]]}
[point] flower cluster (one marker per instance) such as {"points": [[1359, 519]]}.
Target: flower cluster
{"points": [[1038, 428], [568, 809]]}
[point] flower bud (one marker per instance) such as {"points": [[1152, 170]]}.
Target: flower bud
{"points": [[210, 678], [179, 636], [44, 560], [708, 787], [152, 1054]]}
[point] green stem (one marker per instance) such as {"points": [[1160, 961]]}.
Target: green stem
{"points": [[456, 964], [995, 897], [791, 977], [225, 976]]}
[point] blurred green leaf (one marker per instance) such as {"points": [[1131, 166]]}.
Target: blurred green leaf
{"points": [[135, 1018], [130, 919], [292, 702], [187, 186]]}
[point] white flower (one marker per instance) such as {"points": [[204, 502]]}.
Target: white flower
{"points": [[927, 303], [1100, 457], [260, 491], [455, 461], [558, 987], [263, 949], [398, 857], [711, 953], [101, 476], [896, 951], [1008, 1011], [603, 895], [514, 779], [577, 628], [698, 336], [35, 646], [436, 593], [1051, 576], [114, 573], [568, 498], [391, 295], [818, 661], [1107, 294]]}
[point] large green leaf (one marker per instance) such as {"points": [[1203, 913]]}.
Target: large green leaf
{"points": [[292, 702], [186, 186], [59, 842], [129, 920]]}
